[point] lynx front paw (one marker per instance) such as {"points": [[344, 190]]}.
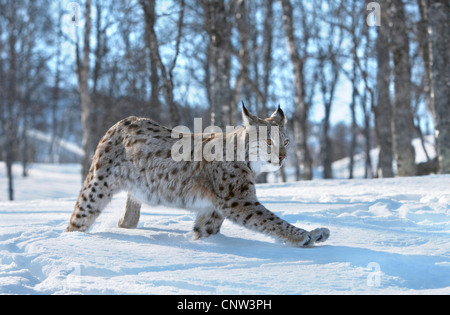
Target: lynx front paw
{"points": [[75, 228], [318, 235], [203, 232]]}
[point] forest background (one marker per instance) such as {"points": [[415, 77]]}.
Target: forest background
{"points": [[350, 75]]}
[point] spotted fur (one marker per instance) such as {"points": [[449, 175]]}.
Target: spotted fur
{"points": [[135, 156]]}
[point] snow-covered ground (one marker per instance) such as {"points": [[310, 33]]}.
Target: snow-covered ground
{"points": [[387, 236]]}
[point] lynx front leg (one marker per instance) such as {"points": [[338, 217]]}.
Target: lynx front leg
{"points": [[253, 215], [207, 223], [130, 217]]}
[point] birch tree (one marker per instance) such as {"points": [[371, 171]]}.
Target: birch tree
{"points": [[83, 89], [402, 114], [383, 109], [298, 58], [439, 25], [148, 7], [9, 93], [218, 27]]}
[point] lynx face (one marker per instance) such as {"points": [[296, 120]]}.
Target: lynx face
{"points": [[271, 142]]}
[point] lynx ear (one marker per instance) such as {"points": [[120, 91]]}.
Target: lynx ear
{"points": [[279, 116], [247, 118]]}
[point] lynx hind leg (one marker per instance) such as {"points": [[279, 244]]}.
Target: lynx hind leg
{"points": [[207, 223], [130, 217], [94, 197]]}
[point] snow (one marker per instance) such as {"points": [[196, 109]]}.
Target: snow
{"points": [[63, 144], [341, 168], [388, 236]]}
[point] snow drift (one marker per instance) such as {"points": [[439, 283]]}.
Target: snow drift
{"points": [[387, 236]]}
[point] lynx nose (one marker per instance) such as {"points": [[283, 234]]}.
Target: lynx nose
{"points": [[282, 157]]}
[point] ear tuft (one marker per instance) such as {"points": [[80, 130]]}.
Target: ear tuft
{"points": [[247, 118], [279, 116]]}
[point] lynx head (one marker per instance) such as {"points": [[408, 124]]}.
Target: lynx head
{"points": [[267, 140]]}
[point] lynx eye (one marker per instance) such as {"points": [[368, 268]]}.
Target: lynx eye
{"points": [[286, 142], [269, 141]]}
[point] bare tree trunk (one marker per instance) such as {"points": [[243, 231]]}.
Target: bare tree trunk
{"points": [[367, 107], [268, 39], [354, 79], [148, 7], [325, 141], [24, 137], [244, 57], [354, 127], [402, 115], [326, 149], [328, 89], [154, 82], [85, 98], [300, 121], [28, 42], [368, 173], [207, 84], [218, 28], [440, 77], [267, 66], [55, 91], [11, 121], [10, 176], [383, 109], [424, 47], [154, 103]]}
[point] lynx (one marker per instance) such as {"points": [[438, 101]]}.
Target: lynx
{"points": [[135, 155]]}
